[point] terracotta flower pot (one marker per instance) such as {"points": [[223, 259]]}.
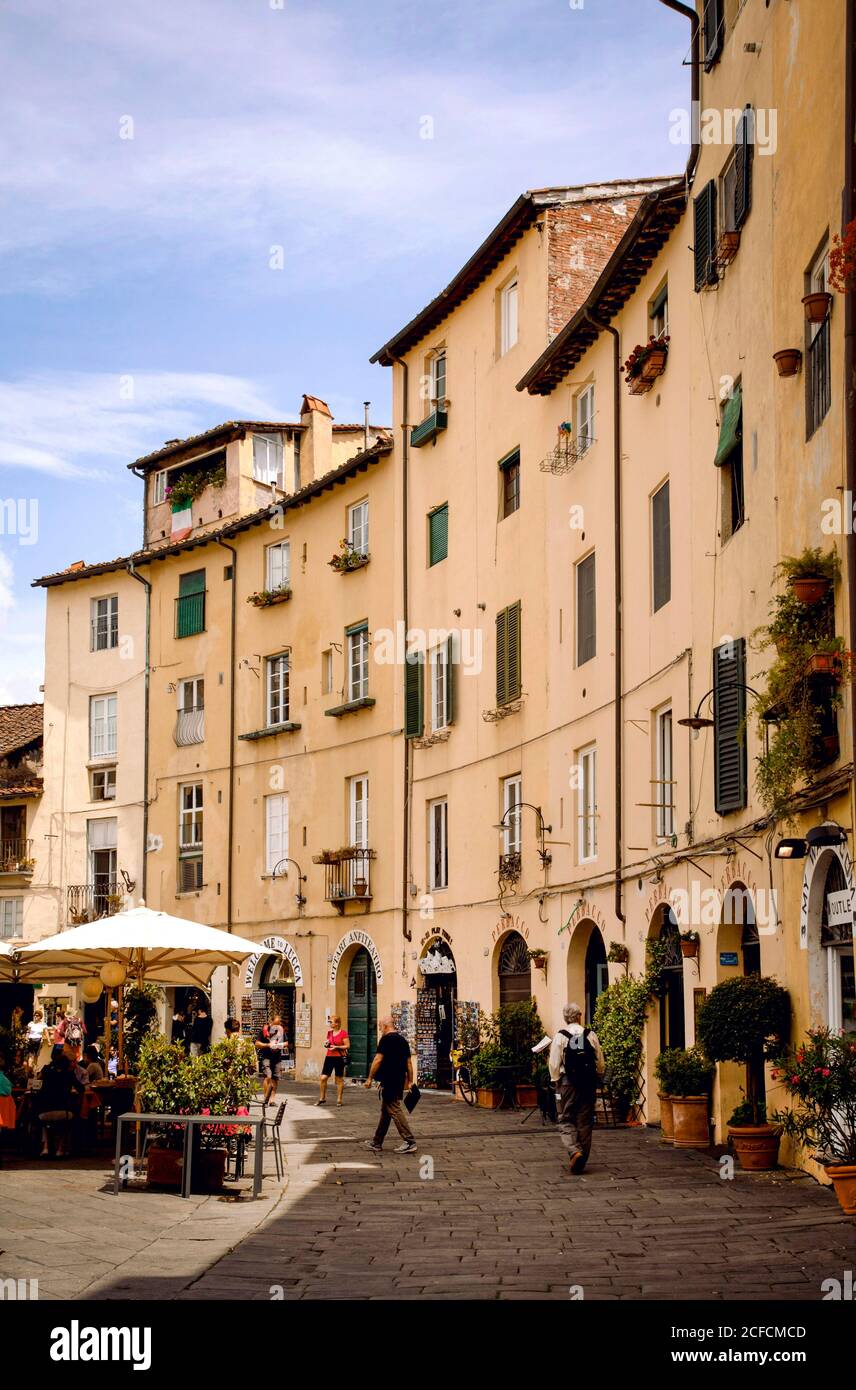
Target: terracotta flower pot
{"points": [[810, 588], [788, 361], [488, 1098], [667, 1119], [692, 1126], [756, 1146], [689, 949], [360, 887], [817, 306], [163, 1169], [526, 1096], [843, 1179]]}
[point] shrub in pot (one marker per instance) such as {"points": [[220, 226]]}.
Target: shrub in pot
{"points": [[744, 1020], [664, 1072], [508, 1036], [820, 1075], [484, 1071], [689, 1074], [619, 1019]]}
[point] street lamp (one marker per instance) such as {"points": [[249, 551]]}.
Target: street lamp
{"points": [[543, 829], [698, 721], [819, 837], [301, 878]]}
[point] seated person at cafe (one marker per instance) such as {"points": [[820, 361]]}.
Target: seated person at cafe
{"points": [[92, 1065], [58, 1101], [5, 1083]]}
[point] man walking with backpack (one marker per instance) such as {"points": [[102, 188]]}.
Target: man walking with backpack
{"points": [[576, 1065]]}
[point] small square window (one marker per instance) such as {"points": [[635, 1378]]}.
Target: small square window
{"points": [[103, 784]]}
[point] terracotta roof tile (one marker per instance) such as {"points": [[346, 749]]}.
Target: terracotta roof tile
{"points": [[19, 725]]}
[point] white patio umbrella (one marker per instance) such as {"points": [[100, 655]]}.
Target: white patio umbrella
{"points": [[150, 945]]}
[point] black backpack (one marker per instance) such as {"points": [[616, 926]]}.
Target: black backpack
{"points": [[580, 1061]]}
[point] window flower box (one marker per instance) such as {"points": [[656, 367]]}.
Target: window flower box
{"points": [[347, 559], [727, 248], [266, 598], [646, 362]]}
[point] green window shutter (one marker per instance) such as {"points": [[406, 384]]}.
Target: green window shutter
{"points": [[502, 657], [714, 31], [586, 610], [745, 147], [414, 702], [438, 535], [661, 545], [704, 222], [190, 605], [450, 679], [731, 429], [514, 656], [729, 715]]}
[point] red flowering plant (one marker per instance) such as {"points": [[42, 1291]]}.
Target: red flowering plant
{"points": [[842, 260], [820, 1074], [642, 351]]}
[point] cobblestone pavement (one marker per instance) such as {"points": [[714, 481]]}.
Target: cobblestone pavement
{"points": [[499, 1218]]}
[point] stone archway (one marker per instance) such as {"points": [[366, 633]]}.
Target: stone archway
{"points": [[436, 996], [587, 970], [826, 932], [738, 952]]}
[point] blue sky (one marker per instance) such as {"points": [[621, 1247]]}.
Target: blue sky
{"points": [[137, 299]]}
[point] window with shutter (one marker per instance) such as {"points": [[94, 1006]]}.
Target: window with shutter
{"points": [[450, 679], [190, 604], [743, 151], [509, 472], [704, 224], [586, 610], [729, 714], [661, 547], [508, 676], [413, 694], [438, 534], [714, 31]]}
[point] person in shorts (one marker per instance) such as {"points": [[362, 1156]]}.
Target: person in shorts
{"points": [[271, 1046], [336, 1055]]}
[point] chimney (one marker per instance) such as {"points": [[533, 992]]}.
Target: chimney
{"points": [[316, 447]]}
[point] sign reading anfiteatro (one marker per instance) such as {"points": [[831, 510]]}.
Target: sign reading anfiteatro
{"points": [[356, 938]]}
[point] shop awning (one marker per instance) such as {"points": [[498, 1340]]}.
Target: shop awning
{"points": [[731, 429]]}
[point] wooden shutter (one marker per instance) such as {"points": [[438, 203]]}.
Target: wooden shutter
{"points": [[513, 649], [450, 679], [502, 657], [413, 695], [745, 147], [729, 715], [586, 611], [714, 31], [438, 535], [661, 544], [704, 219]]}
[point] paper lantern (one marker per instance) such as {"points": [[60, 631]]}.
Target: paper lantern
{"points": [[113, 974], [91, 990]]}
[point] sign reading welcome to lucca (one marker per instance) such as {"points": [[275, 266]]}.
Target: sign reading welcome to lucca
{"points": [[284, 948], [356, 938]]}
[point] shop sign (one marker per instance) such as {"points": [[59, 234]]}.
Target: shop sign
{"points": [[839, 907], [509, 923], [356, 938], [728, 958], [284, 948]]}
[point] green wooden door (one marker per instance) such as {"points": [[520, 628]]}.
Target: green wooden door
{"points": [[362, 1013]]}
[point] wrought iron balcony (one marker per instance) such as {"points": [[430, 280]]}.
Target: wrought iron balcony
{"points": [[87, 901], [16, 857], [347, 875], [190, 726]]}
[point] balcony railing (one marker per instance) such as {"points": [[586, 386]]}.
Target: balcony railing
{"points": [[87, 901], [347, 875], [16, 856], [190, 726]]}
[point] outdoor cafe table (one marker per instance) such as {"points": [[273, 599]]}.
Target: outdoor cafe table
{"points": [[188, 1122]]}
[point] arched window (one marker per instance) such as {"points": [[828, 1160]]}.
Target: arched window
{"points": [[515, 970], [672, 1026]]}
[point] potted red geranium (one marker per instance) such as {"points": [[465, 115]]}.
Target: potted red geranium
{"points": [[820, 1075]]}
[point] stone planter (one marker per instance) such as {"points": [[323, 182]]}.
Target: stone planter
{"points": [[756, 1146], [667, 1119], [843, 1179], [692, 1125]]}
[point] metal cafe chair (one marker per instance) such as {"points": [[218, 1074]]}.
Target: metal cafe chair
{"points": [[270, 1137]]}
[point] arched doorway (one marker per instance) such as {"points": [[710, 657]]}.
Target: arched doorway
{"points": [[435, 1014], [588, 972], [515, 971], [672, 1024], [738, 945], [362, 1013], [277, 982], [836, 940]]}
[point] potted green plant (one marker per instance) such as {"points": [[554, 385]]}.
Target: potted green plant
{"points": [[664, 1073], [689, 944], [746, 1019], [619, 1020], [618, 953], [484, 1069], [347, 558], [507, 1039], [538, 957], [690, 1075], [266, 598], [820, 1075], [811, 574]]}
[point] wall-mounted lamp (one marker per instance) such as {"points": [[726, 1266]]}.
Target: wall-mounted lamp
{"points": [[790, 849]]}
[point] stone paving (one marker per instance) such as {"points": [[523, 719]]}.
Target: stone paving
{"points": [[486, 1210]]}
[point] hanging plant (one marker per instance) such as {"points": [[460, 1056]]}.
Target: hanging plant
{"points": [[188, 486]]}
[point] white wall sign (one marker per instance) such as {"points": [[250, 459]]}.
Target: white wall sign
{"points": [[274, 943], [811, 863], [839, 907], [356, 938]]}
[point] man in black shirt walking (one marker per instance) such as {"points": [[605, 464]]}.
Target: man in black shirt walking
{"points": [[393, 1068]]}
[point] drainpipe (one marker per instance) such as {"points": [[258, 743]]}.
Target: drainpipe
{"points": [[231, 823], [695, 84], [148, 588], [617, 599], [405, 826], [848, 212]]}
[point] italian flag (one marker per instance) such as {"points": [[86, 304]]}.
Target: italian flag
{"points": [[182, 521]]}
